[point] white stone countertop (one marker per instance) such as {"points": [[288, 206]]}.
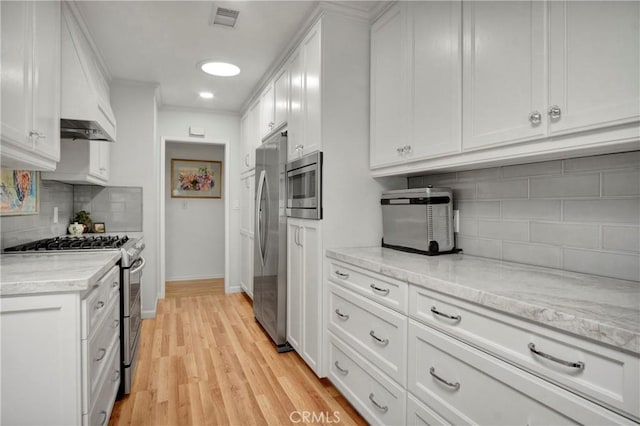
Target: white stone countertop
{"points": [[34, 273], [606, 310]]}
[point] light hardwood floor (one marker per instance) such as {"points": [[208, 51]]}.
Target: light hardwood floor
{"points": [[205, 361]]}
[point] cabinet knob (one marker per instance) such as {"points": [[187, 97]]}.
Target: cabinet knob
{"points": [[555, 112], [535, 118], [407, 149], [246, 160], [37, 135], [400, 150]]}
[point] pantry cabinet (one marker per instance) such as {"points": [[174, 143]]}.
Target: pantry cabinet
{"points": [[281, 95], [247, 203], [250, 137], [30, 84], [305, 119], [82, 162], [415, 82], [304, 290], [267, 111]]}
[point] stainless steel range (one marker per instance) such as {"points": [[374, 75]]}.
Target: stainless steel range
{"points": [[131, 266]]}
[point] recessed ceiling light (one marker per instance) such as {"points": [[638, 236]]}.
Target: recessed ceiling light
{"points": [[206, 95], [220, 69]]}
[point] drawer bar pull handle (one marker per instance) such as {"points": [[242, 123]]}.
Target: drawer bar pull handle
{"points": [[383, 409], [341, 315], [442, 314], [454, 386], [383, 342], [102, 353], [342, 371], [104, 417], [100, 305], [383, 291], [579, 364], [341, 275]]}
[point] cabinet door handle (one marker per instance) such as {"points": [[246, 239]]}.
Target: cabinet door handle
{"points": [[454, 386], [407, 149], [100, 305], [382, 342], [104, 417], [400, 150], [382, 291], [102, 353], [37, 134], [535, 118], [579, 365], [341, 315], [383, 409], [555, 112], [456, 318], [116, 375], [342, 371], [116, 323], [115, 284], [341, 275], [246, 160]]}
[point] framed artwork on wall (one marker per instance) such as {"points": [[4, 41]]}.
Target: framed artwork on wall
{"points": [[196, 178], [19, 192]]}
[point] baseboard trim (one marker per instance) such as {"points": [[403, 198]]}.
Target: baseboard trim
{"points": [[148, 314], [234, 289]]}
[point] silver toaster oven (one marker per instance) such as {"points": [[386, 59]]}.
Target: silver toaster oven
{"points": [[418, 220]]}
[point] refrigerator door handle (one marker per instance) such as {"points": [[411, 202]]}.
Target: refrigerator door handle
{"points": [[260, 215]]}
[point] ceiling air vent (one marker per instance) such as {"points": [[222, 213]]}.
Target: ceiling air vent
{"points": [[224, 17]]}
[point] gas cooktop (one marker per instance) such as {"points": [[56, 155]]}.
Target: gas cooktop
{"points": [[83, 242]]}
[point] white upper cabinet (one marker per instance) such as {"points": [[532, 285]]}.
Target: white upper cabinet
{"points": [[415, 82], [504, 79], [30, 84], [388, 91], [594, 58], [267, 111], [250, 136], [305, 116], [281, 95], [82, 162]]}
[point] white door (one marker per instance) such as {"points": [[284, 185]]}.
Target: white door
{"points": [[46, 79], [310, 240], [435, 94], [281, 88], [16, 75], [296, 119], [312, 49], [504, 96], [388, 89], [594, 64], [294, 286]]}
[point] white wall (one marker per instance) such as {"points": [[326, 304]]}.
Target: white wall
{"points": [[135, 162], [194, 228], [173, 124]]}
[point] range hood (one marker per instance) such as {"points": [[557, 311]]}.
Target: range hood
{"points": [[85, 112]]}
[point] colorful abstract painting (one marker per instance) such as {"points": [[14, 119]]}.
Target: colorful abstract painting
{"points": [[196, 179], [18, 192]]}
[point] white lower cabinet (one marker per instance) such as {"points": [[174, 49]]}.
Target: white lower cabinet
{"points": [[448, 361], [246, 262], [376, 397], [304, 290], [61, 355]]}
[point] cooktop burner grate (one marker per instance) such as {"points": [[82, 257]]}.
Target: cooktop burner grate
{"points": [[73, 243]]}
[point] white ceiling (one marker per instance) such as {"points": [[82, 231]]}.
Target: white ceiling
{"points": [[162, 41]]}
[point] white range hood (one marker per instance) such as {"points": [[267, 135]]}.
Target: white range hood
{"points": [[85, 111]]}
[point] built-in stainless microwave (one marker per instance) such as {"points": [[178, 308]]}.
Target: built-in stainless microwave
{"points": [[304, 187]]}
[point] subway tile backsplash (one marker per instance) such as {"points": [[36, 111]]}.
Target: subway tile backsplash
{"points": [[120, 208], [579, 214]]}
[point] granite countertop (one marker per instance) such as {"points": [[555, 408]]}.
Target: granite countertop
{"points": [[35, 273], [606, 310]]}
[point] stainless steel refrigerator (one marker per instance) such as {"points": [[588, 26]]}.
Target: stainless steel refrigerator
{"points": [[270, 241]]}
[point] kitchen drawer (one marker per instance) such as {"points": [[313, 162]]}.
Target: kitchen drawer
{"points": [[419, 414], [467, 386], [376, 397], [107, 391], [376, 332], [98, 350], [95, 304], [609, 376], [385, 290]]}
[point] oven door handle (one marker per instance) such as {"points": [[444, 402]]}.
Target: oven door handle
{"points": [[141, 262]]}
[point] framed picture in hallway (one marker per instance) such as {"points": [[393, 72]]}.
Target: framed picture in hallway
{"points": [[196, 178]]}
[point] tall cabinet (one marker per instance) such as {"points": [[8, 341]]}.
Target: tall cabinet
{"points": [[247, 203], [30, 84]]}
